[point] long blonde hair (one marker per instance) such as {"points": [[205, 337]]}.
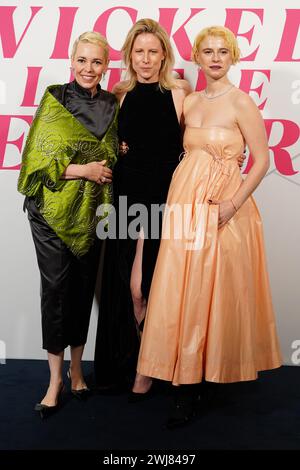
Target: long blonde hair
{"points": [[147, 25]]}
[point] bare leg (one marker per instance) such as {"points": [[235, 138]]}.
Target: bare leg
{"points": [[142, 383], [78, 382], [56, 381], [139, 303]]}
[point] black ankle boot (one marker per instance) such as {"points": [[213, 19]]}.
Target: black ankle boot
{"points": [[184, 410]]}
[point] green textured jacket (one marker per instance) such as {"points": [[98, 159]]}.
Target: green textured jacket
{"points": [[56, 139]]}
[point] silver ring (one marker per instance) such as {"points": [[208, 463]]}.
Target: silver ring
{"points": [[103, 179]]}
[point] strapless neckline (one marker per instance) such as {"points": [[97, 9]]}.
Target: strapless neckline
{"points": [[213, 127]]}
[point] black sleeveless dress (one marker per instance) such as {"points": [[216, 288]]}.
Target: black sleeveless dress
{"points": [[148, 124]]}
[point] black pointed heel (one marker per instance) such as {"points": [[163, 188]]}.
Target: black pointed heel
{"points": [[45, 411], [136, 397], [82, 393]]}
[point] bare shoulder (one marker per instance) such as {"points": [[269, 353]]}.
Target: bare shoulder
{"points": [[191, 100], [247, 114], [119, 89], [243, 101], [193, 97], [182, 87]]}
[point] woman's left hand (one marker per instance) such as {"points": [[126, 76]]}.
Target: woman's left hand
{"points": [[226, 211]]}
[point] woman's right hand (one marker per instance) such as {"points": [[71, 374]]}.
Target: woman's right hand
{"points": [[97, 172], [241, 159]]}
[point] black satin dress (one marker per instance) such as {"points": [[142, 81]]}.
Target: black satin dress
{"points": [[148, 124]]}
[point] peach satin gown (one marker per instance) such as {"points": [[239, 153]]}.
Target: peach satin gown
{"points": [[210, 311]]}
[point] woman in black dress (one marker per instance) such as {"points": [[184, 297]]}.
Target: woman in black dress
{"points": [[151, 103]]}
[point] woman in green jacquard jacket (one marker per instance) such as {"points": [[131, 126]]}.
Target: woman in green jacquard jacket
{"points": [[65, 175]]}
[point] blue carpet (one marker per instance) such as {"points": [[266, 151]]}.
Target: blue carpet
{"points": [[263, 414]]}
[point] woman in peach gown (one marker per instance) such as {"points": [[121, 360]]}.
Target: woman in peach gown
{"points": [[210, 312]]}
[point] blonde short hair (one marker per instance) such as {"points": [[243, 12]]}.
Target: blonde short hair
{"points": [[92, 37], [147, 25], [219, 31]]}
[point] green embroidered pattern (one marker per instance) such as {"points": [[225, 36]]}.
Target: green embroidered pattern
{"points": [[56, 139]]}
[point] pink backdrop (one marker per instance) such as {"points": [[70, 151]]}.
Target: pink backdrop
{"points": [[36, 37]]}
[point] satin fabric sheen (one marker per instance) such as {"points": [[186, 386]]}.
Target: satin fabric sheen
{"points": [[56, 139], [67, 285], [94, 112], [210, 311]]}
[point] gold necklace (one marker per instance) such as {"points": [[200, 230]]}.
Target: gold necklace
{"points": [[217, 96]]}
